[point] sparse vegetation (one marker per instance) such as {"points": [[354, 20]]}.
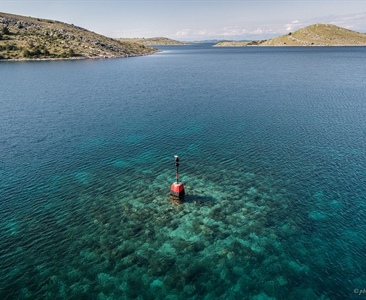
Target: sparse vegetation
{"points": [[31, 38], [5, 30], [37, 52], [231, 44], [319, 35], [156, 41]]}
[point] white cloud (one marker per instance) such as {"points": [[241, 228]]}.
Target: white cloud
{"points": [[258, 31], [228, 32], [191, 33], [294, 25], [254, 32], [231, 31], [183, 32], [201, 32]]}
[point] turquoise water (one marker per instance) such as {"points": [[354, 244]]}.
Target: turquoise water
{"points": [[272, 146]]}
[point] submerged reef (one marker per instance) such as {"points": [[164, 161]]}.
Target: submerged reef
{"points": [[238, 235]]}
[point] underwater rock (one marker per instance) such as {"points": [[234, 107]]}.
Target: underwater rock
{"points": [[160, 266], [105, 279], [167, 250], [252, 191], [121, 163], [319, 195], [262, 296], [189, 289], [196, 247], [157, 284], [195, 272], [102, 296], [357, 282], [25, 294], [80, 290], [271, 287], [306, 294], [74, 274], [296, 267], [335, 205], [185, 233], [11, 227], [256, 248], [287, 230], [282, 281], [84, 177], [317, 216]]}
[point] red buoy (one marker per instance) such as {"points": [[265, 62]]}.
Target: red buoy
{"points": [[177, 188]]}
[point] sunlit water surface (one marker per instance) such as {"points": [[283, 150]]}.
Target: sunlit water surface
{"points": [[272, 146]]}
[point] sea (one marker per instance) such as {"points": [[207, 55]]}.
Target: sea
{"points": [[272, 148]]}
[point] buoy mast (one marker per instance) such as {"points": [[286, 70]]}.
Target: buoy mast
{"points": [[176, 158], [177, 188]]}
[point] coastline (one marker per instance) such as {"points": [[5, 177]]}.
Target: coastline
{"points": [[293, 46], [77, 57]]}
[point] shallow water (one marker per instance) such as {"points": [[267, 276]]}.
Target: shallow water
{"points": [[272, 145]]}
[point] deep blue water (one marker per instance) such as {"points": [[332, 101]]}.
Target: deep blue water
{"points": [[272, 146]]}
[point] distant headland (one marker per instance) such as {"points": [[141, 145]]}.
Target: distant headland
{"points": [[313, 35], [155, 41]]}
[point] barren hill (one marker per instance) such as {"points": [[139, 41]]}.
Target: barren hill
{"points": [[237, 43], [156, 41], [319, 35], [313, 35], [31, 38]]}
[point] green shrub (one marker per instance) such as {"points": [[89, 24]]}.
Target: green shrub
{"points": [[5, 30], [71, 52], [68, 54], [11, 47], [64, 55], [38, 51], [26, 53]]}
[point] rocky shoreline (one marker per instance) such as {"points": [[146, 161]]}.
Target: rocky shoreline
{"points": [[74, 58]]}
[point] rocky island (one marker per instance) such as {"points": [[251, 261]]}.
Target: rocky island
{"points": [[313, 35], [24, 38], [156, 41]]}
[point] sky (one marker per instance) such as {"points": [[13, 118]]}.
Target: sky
{"points": [[189, 20]]}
